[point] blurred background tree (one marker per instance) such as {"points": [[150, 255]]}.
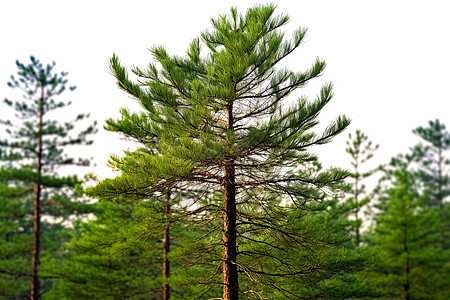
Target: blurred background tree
{"points": [[30, 156], [361, 149], [433, 173]]}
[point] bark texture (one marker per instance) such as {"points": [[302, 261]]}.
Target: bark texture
{"points": [[37, 209], [230, 272]]}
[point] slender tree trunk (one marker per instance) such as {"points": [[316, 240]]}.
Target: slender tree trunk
{"points": [[357, 238], [441, 228], [37, 209], [406, 283], [406, 267], [230, 274], [166, 263]]}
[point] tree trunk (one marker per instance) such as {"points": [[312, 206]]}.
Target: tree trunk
{"points": [[166, 263], [441, 214], [357, 238], [406, 270], [406, 286], [37, 209], [230, 274]]}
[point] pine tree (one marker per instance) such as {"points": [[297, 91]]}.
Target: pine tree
{"points": [[361, 150], [35, 148], [433, 162], [433, 173], [220, 126], [334, 226], [409, 266]]}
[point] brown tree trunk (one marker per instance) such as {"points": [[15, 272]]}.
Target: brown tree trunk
{"points": [[37, 209], [230, 274], [166, 263]]}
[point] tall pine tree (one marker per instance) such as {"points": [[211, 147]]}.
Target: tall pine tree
{"points": [[221, 125], [35, 148]]}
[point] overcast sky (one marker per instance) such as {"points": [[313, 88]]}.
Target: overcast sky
{"points": [[389, 60]]}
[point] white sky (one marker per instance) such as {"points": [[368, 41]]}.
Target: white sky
{"points": [[389, 60]]}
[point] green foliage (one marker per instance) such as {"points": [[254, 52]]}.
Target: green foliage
{"points": [[118, 255], [409, 266], [186, 101], [101, 264], [15, 242]]}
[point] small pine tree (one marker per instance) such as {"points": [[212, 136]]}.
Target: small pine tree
{"points": [[432, 171], [409, 267], [361, 150]]}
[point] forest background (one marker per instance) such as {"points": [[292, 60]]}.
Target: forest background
{"points": [[401, 164]]}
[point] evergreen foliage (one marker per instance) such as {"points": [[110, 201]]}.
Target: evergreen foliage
{"points": [[119, 255], [409, 266], [15, 242], [101, 265]]}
